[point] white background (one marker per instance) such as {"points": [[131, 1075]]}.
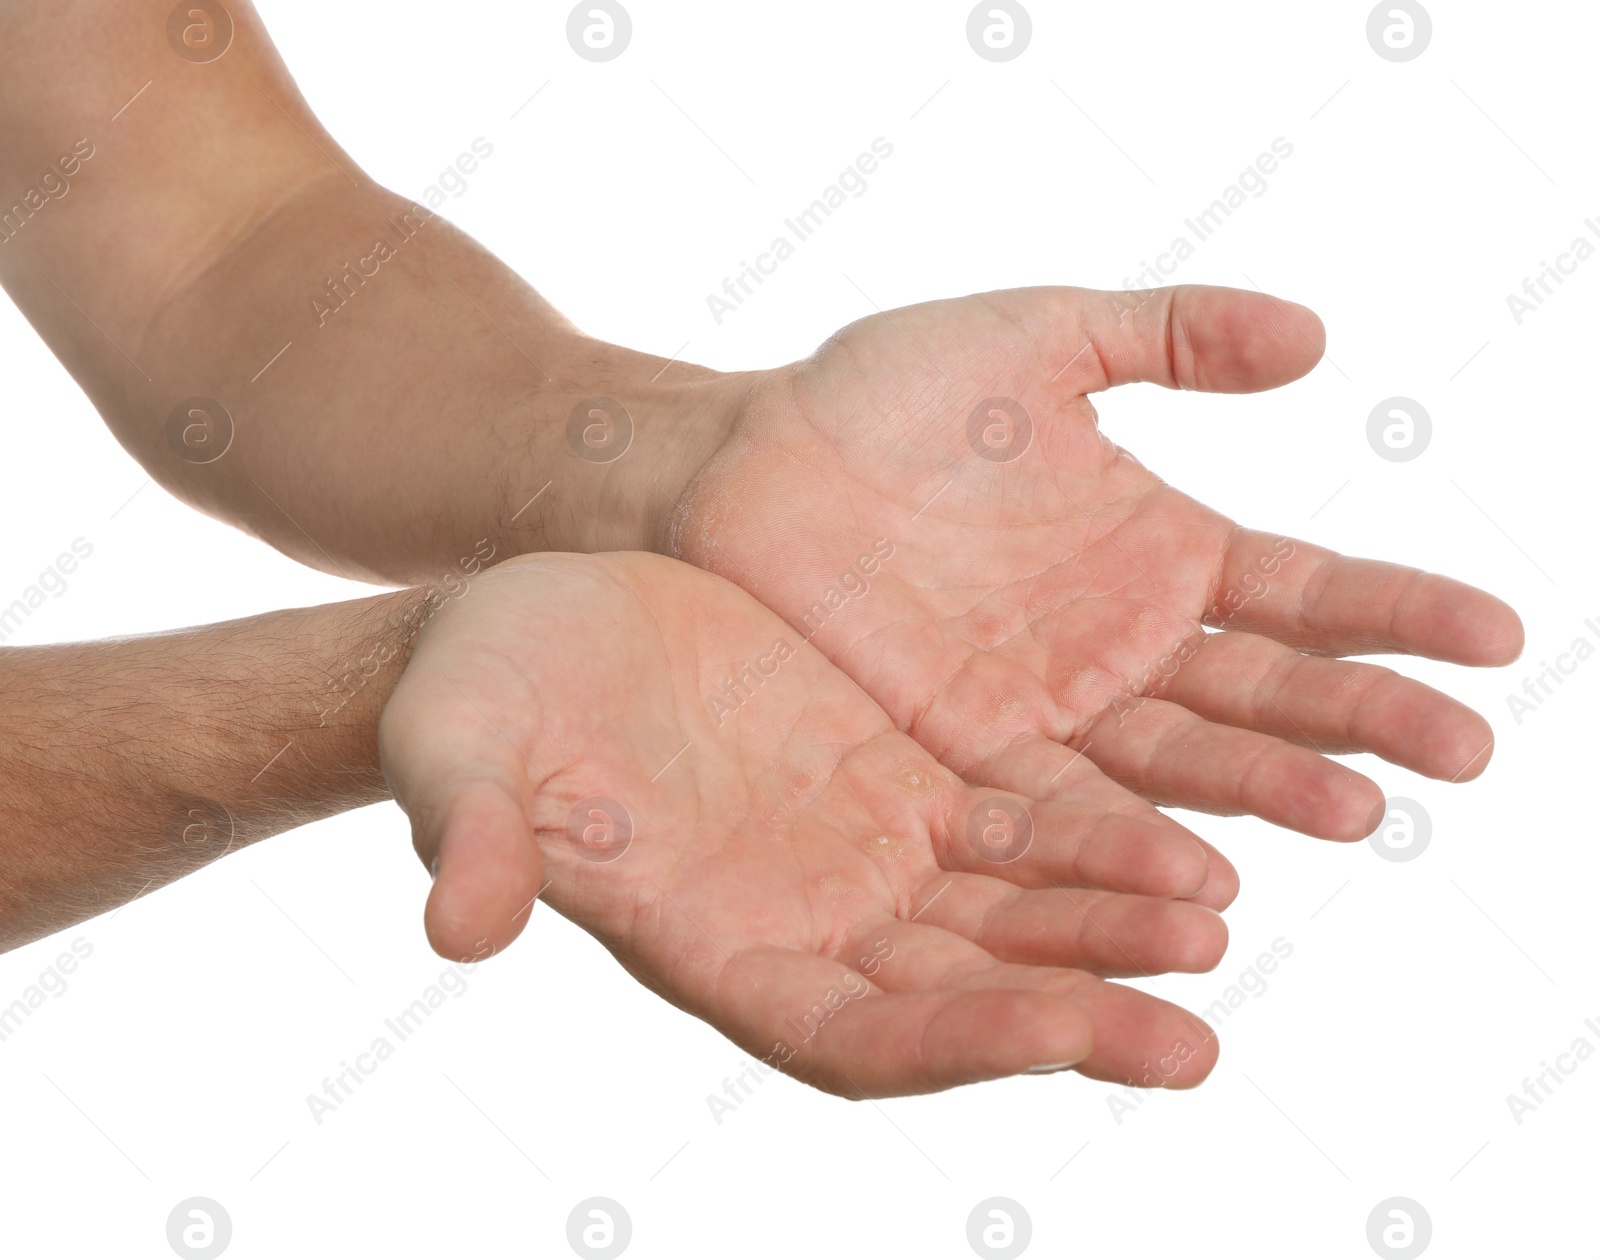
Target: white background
{"points": [[1378, 1060]]}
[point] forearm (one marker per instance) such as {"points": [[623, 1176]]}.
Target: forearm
{"points": [[392, 391], [129, 763], [418, 409]]}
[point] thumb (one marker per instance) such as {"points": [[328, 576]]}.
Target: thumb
{"points": [[1225, 341], [467, 793], [487, 873]]}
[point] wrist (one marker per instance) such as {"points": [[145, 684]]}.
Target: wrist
{"points": [[619, 437], [701, 425]]}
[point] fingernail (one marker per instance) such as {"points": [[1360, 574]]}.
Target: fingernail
{"points": [[433, 868], [1040, 1069]]}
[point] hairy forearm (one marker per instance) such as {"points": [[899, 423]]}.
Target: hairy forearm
{"points": [[127, 764], [291, 347]]}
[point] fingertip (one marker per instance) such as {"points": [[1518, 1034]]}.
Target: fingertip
{"points": [[452, 936], [1375, 819], [1475, 765], [1309, 793], [1177, 865], [1181, 1057], [1470, 751], [1296, 339], [1204, 1052], [1335, 803], [1357, 815], [1201, 941], [462, 931], [1222, 881], [1461, 624], [1516, 638], [1153, 859], [1243, 341], [486, 871], [1504, 636], [1305, 322]]}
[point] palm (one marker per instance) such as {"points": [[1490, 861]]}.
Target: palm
{"points": [[798, 873], [1046, 596]]}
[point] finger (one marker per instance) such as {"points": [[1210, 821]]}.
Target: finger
{"points": [[1198, 337], [818, 1020], [1143, 1040], [1334, 706], [465, 791], [1170, 756], [1319, 601], [487, 874], [1110, 934], [1073, 844], [1043, 770], [1222, 880], [1138, 1039]]}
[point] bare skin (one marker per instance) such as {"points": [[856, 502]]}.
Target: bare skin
{"points": [[131, 763], [1041, 623], [791, 858], [429, 412], [1030, 603], [1019, 627], [386, 408]]}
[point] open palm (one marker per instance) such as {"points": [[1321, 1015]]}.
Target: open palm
{"points": [[929, 500], [747, 832]]}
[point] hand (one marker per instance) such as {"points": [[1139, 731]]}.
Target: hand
{"points": [[777, 860], [1029, 602]]}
